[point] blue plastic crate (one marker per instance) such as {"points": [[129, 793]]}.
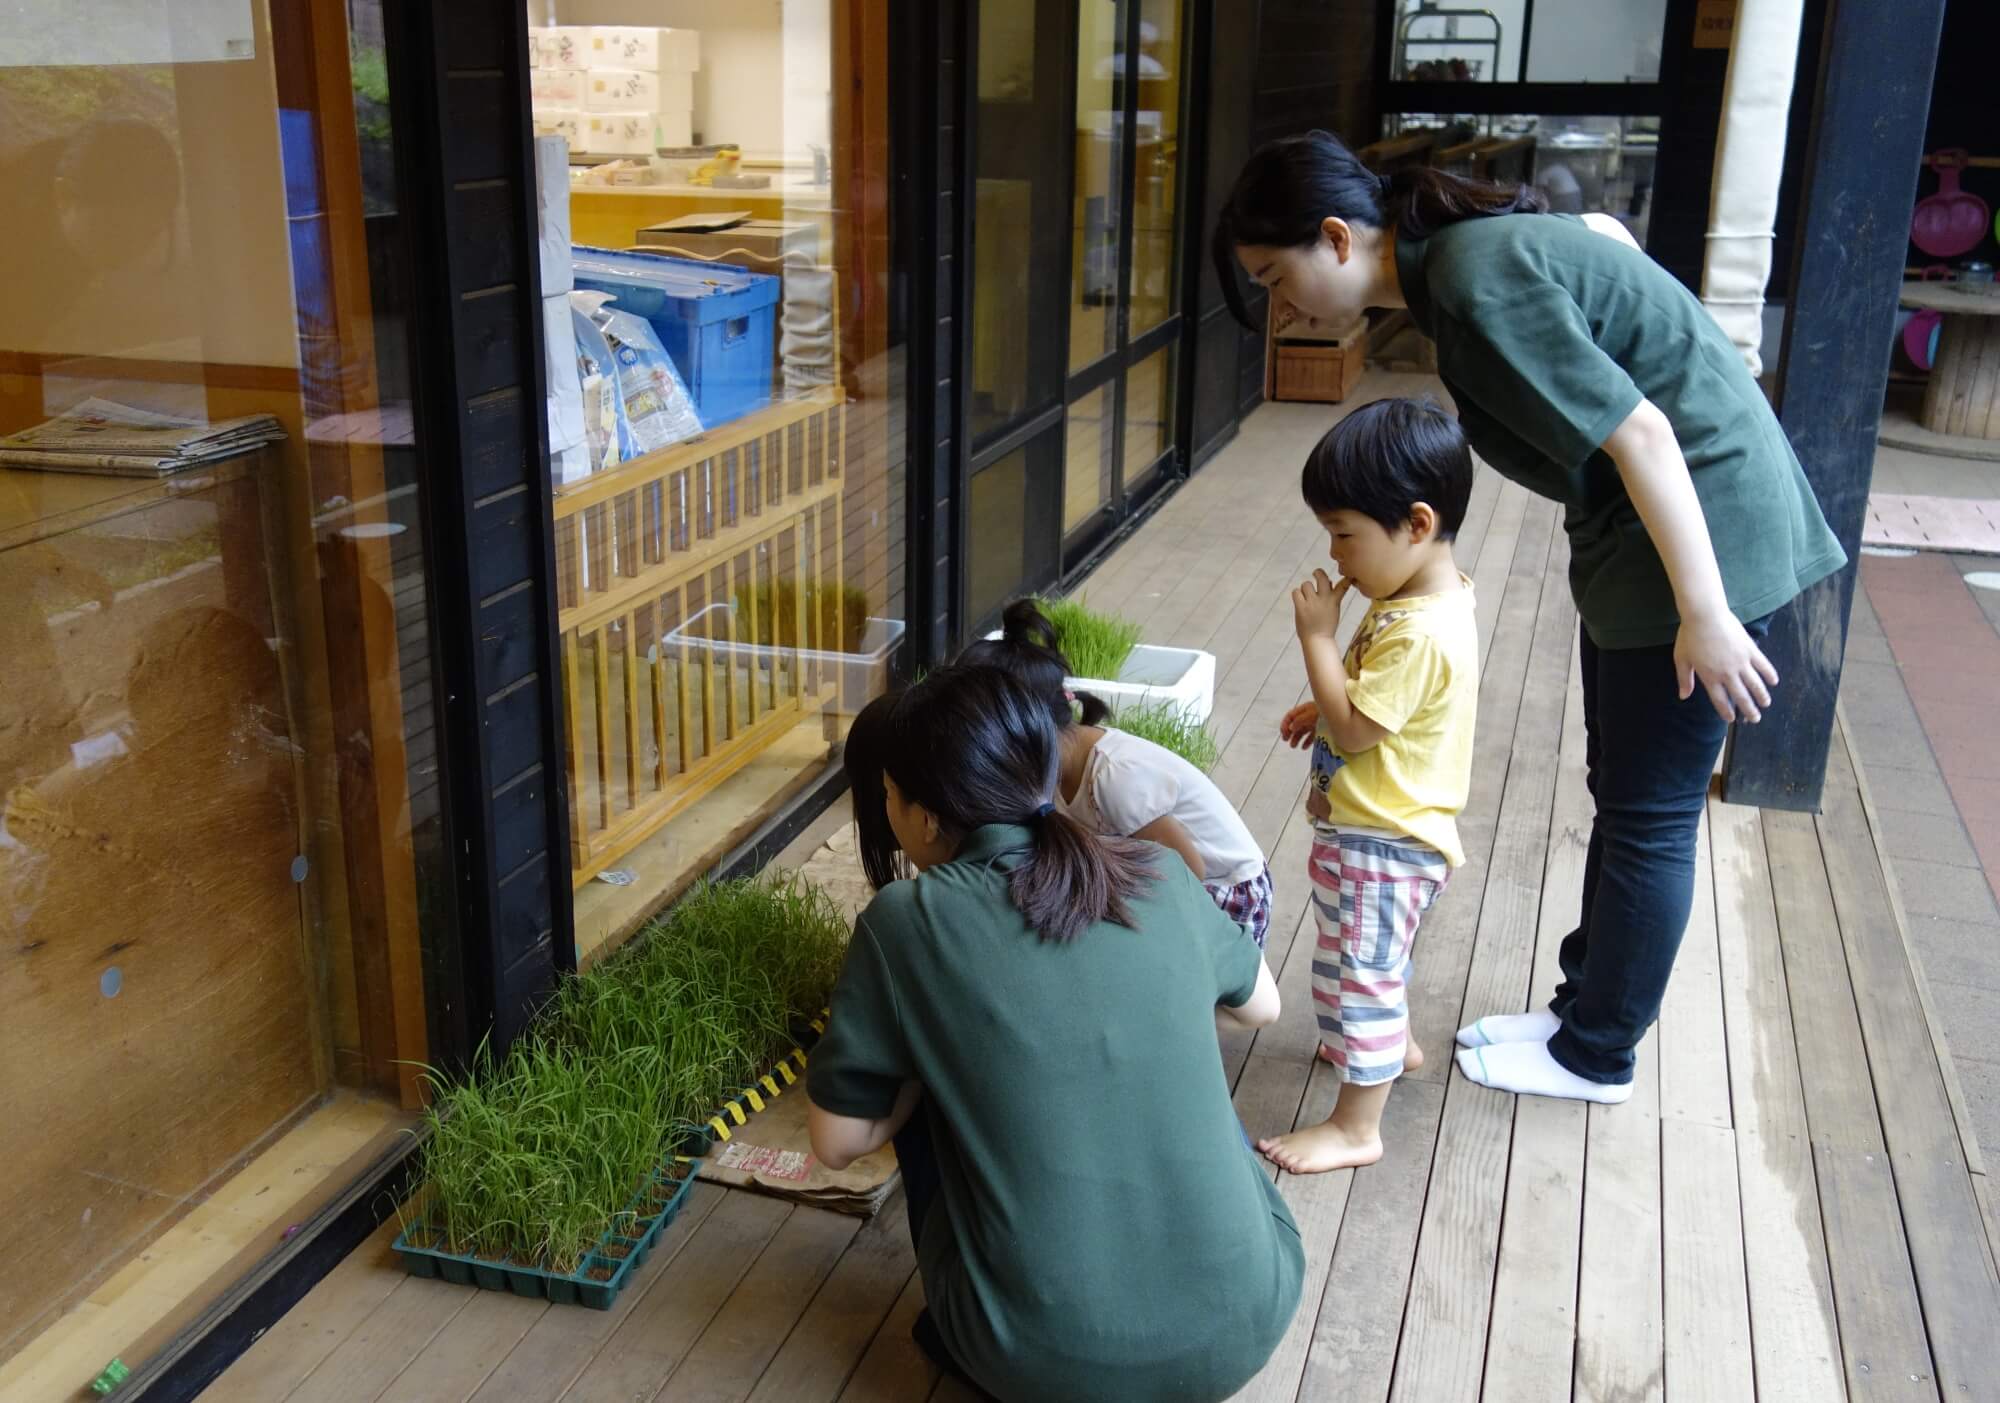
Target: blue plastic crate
{"points": [[717, 322]]}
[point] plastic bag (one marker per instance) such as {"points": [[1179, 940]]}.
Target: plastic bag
{"points": [[607, 435], [658, 410]]}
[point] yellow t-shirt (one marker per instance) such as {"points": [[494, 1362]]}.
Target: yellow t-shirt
{"points": [[1412, 669]]}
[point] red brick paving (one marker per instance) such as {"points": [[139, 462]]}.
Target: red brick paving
{"points": [[1950, 660]]}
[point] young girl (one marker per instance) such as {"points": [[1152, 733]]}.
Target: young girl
{"points": [[1583, 371], [1128, 786], [1032, 1021]]}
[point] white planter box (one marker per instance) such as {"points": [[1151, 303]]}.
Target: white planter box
{"points": [[1155, 676], [862, 676]]}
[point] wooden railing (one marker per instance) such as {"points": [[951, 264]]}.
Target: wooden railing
{"points": [[670, 686]]}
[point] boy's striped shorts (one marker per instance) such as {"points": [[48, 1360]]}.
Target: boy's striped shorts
{"points": [[1370, 891]]}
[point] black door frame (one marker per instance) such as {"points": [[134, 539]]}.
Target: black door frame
{"points": [[1077, 552]]}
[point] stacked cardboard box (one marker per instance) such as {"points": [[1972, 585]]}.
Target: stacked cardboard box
{"points": [[614, 91]]}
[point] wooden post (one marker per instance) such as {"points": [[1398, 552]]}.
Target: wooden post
{"points": [[1870, 106]]}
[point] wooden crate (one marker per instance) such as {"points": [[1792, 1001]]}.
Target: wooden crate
{"points": [[1318, 371], [657, 717]]}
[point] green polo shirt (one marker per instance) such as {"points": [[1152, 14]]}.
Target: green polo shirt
{"points": [[1548, 335], [1103, 1231]]}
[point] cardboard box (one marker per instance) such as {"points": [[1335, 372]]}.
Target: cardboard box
{"points": [[637, 90], [565, 46], [557, 87], [657, 50], [617, 134], [768, 238], [564, 122]]}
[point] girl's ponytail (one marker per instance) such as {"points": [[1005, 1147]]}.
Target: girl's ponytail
{"points": [[1026, 651], [1290, 187], [1091, 709]]}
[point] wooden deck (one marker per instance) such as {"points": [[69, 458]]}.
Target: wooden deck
{"points": [[1788, 1208]]}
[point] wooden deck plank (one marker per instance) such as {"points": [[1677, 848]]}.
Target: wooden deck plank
{"points": [[1318, 1203], [1874, 1291], [1876, 1308], [1353, 1353], [556, 1349], [834, 1333], [1443, 956], [1794, 1344], [650, 1343], [1444, 1333], [385, 1344], [744, 1337], [463, 1357], [1706, 1300], [1961, 1301], [1833, 1066], [1694, 1055], [1620, 1356], [1531, 1342], [894, 1370], [285, 1354]]}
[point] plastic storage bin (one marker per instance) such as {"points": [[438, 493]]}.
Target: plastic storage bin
{"points": [[717, 322]]}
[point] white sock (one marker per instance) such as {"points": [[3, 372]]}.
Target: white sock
{"points": [[1528, 1069], [1537, 1026]]}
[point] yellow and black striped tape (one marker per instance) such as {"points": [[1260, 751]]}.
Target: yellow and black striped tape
{"points": [[732, 1111]]}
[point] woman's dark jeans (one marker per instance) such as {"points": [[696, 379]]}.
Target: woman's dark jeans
{"points": [[1650, 756]]}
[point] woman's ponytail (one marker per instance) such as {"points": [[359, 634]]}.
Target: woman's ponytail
{"points": [[1420, 200], [976, 747], [1290, 187], [1075, 878]]}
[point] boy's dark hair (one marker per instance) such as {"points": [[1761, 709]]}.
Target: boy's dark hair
{"points": [[976, 747], [1386, 457]]}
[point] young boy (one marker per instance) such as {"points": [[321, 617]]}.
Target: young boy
{"points": [[1391, 734]]}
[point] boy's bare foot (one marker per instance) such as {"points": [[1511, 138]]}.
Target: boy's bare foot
{"points": [[1322, 1148], [1413, 1056]]}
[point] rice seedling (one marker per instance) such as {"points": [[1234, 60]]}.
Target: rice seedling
{"points": [[1169, 725], [532, 1157], [1096, 645], [771, 613]]}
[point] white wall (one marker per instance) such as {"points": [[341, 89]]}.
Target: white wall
{"points": [[766, 65]]}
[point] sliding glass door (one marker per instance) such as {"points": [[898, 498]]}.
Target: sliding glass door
{"points": [[1076, 258]]}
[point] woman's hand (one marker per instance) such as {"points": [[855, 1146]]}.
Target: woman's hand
{"points": [[1717, 651], [1316, 605], [1299, 725]]}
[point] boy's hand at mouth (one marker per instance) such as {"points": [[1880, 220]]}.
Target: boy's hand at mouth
{"points": [[1316, 605]]}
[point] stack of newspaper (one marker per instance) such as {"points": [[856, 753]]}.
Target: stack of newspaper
{"points": [[117, 440]]}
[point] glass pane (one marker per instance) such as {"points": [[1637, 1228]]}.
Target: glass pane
{"points": [[1014, 550], [1100, 135], [729, 600], [220, 856], [1018, 214], [1569, 41], [1153, 286], [1581, 165], [1091, 459], [1149, 414]]}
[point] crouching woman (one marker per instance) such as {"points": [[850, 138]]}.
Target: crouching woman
{"points": [[1032, 1019]]}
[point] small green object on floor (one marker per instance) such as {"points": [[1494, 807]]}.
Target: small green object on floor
{"points": [[115, 1373]]}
